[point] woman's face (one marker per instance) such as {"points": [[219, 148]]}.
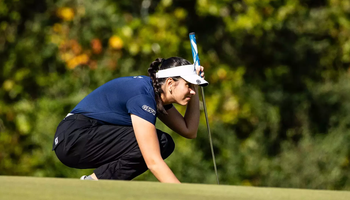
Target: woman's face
{"points": [[182, 91]]}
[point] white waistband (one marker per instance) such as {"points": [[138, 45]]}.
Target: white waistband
{"points": [[69, 114]]}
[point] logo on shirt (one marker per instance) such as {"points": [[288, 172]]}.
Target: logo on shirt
{"points": [[138, 77], [56, 140], [149, 109]]}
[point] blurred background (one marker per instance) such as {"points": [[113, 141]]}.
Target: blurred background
{"points": [[279, 72]]}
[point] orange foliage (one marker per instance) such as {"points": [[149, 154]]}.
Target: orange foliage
{"points": [[96, 46]]}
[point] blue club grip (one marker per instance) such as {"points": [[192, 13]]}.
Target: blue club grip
{"points": [[194, 50]]}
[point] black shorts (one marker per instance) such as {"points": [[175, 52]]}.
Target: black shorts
{"points": [[82, 142]]}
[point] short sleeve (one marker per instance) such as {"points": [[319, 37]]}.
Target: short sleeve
{"points": [[143, 106]]}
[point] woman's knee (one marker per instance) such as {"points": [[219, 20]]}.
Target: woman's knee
{"points": [[167, 144]]}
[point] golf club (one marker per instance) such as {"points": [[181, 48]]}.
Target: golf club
{"points": [[196, 64]]}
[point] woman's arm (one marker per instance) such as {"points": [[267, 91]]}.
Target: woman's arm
{"points": [[186, 125], [146, 136]]}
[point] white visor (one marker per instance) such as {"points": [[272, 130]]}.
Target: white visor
{"points": [[186, 72]]}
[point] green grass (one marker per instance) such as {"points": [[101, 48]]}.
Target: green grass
{"points": [[33, 188]]}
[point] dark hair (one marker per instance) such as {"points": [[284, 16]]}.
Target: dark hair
{"points": [[159, 64]]}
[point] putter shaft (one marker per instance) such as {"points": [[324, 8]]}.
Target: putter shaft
{"points": [[210, 140]]}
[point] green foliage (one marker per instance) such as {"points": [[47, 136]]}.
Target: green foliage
{"points": [[278, 72]]}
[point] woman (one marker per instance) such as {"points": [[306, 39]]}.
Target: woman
{"points": [[113, 128]]}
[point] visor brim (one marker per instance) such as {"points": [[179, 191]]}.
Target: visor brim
{"points": [[187, 72], [195, 79]]}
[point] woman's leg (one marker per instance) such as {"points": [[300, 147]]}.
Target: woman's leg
{"points": [[131, 164], [112, 150]]}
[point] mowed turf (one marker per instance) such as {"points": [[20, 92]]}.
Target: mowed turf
{"points": [[33, 188]]}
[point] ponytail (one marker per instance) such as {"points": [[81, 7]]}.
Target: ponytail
{"points": [[152, 70]]}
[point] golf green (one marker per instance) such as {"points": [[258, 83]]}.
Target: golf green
{"points": [[34, 188]]}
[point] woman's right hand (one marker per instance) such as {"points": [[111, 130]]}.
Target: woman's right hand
{"points": [[200, 71]]}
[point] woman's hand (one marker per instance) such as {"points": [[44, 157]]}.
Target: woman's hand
{"points": [[146, 136], [200, 71]]}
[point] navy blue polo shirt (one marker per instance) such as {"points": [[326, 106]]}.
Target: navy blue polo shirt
{"points": [[114, 101]]}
